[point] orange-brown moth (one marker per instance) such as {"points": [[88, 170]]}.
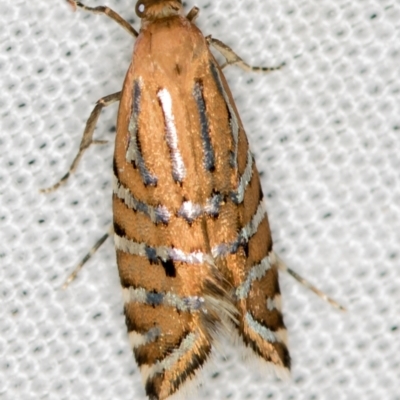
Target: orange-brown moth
{"points": [[194, 247], [193, 243]]}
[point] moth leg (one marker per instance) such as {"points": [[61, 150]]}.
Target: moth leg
{"points": [[282, 266], [107, 11], [231, 58], [87, 257], [87, 138]]}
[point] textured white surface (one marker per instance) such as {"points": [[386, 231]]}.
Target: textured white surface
{"points": [[326, 134]]}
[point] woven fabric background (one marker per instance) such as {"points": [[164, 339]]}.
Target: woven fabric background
{"points": [[325, 131]]}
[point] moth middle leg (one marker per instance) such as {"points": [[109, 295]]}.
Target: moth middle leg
{"points": [[231, 58], [87, 138]]}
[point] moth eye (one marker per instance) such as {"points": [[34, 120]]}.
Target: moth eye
{"points": [[140, 9]]}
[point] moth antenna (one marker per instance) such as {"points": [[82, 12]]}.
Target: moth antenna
{"points": [[193, 14]]}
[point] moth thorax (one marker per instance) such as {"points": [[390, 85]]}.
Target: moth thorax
{"points": [[157, 9]]}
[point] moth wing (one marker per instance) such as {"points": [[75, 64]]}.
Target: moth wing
{"points": [[246, 258], [175, 296]]}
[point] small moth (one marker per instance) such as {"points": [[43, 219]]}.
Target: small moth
{"points": [[192, 238]]}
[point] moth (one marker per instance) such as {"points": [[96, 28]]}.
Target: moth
{"points": [[193, 243]]}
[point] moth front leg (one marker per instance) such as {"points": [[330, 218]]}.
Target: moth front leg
{"points": [[106, 11]]}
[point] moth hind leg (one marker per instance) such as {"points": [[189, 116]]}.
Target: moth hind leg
{"points": [[231, 58], [87, 137], [87, 257], [283, 267]]}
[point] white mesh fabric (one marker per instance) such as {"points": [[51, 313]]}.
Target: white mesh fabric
{"points": [[325, 131]]}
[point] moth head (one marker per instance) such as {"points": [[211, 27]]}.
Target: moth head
{"points": [[156, 9]]}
